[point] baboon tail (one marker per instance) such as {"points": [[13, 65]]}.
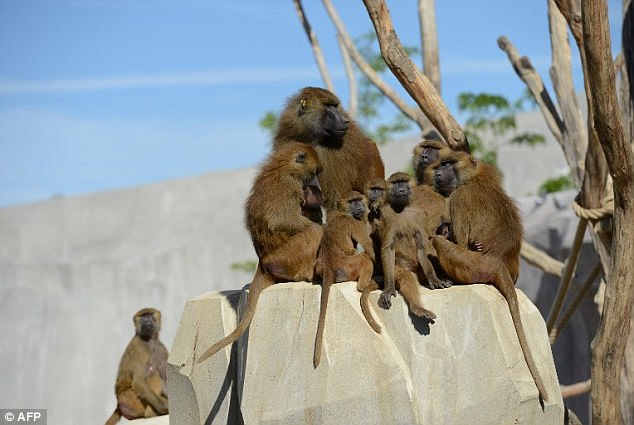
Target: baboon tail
{"points": [[260, 282], [114, 418], [511, 299], [365, 307], [321, 323]]}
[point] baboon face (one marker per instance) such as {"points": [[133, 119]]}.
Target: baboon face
{"points": [[356, 208], [147, 323], [426, 156], [445, 177], [400, 190], [320, 114], [375, 191]]}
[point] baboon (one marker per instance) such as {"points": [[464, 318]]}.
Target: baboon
{"points": [[285, 241], [313, 199], [346, 227], [348, 157], [141, 385], [482, 213], [404, 248], [423, 194]]}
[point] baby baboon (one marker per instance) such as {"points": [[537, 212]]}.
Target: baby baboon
{"points": [[404, 248], [348, 157], [141, 386], [345, 227], [285, 241], [483, 215]]}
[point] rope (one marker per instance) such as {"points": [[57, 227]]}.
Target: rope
{"points": [[595, 214]]}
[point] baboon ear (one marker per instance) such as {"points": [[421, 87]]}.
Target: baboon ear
{"points": [[300, 158], [474, 161]]}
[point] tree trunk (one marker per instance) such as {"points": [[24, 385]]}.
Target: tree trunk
{"points": [[608, 346]]}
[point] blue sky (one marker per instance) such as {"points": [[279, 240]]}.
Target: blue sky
{"points": [[106, 94]]}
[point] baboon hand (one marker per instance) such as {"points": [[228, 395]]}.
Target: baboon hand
{"points": [[440, 283], [385, 299]]}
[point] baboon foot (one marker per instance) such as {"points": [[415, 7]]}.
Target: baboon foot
{"points": [[422, 312], [440, 283], [385, 299]]}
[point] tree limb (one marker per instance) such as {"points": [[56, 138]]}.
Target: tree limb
{"points": [[312, 38], [540, 259], [529, 75], [412, 79], [352, 81], [413, 113], [429, 41], [608, 346]]}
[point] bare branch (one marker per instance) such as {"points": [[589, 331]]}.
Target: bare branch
{"points": [[312, 38], [529, 75], [573, 390], [429, 41], [352, 81], [413, 113], [575, 135], [540, 259], [413, 80]]}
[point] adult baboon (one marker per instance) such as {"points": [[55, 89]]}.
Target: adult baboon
{"points": [[482, 214], [346, 227], [141, 385], [285, 241], [348, 157]]}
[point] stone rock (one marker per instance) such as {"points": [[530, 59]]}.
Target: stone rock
{"points": [[157, 420], [464, 368]]}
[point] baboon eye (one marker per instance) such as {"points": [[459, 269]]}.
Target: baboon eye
{"points": [[303, 103], [301, 158]]}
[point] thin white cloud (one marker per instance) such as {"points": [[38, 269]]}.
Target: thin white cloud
{"points": [[230, 76], [470, 66]]}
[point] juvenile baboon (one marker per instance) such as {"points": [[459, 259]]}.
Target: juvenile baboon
{"points": [[141, 385], [313, 200], [404, 248], [285, 241], [348, 157], [482, 213], [423, 194], [346, 227]]}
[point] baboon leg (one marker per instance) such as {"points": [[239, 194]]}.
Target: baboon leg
{"points": [[468, 267], [130, 405], [408, 285], [261, 281], [295, 260]]}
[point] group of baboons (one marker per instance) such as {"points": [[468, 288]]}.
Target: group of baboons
{"points": [[452, 223]]}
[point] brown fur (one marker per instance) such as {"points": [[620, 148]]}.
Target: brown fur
{"points": [[482, 215], [345, 227], [141, 386], [404, 248], [423, 194], [349, 160], [285, 241]]}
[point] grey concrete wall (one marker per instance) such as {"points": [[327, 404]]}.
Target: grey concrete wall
{"points": [[74, 270]]}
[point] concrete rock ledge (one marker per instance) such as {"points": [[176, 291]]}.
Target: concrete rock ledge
{"points": [[465, 368]]}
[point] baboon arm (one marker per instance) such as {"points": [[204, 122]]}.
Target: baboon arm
{"points": [[366, 242], [424, 249]]}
